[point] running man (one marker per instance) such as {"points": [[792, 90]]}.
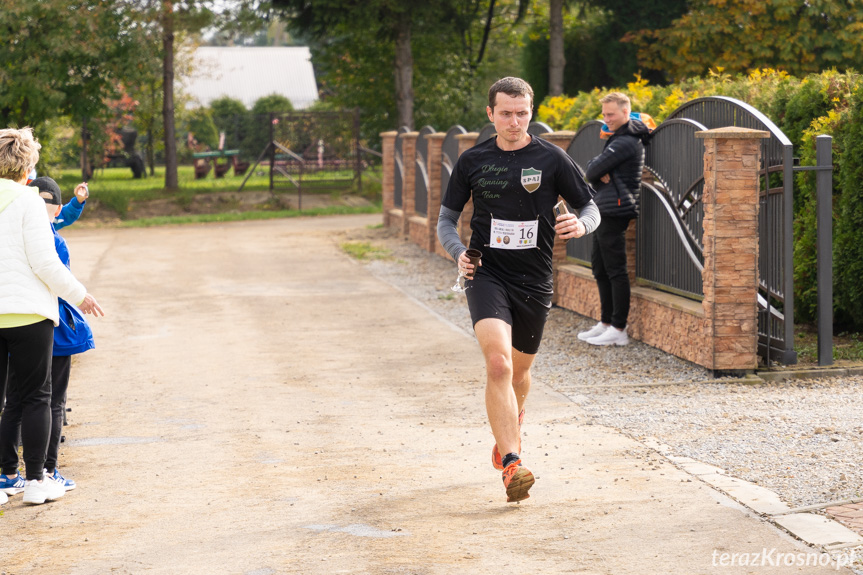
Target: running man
{"points": [[515, 180]]}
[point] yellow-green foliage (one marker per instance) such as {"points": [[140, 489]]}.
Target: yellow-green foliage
{"points": [[760, 88]]}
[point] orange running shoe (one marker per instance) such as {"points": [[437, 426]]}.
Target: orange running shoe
{"points": [[518, 480], [496, 458]]}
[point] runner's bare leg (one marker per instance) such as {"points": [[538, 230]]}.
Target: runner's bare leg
{"points": [[521, 380], [502, 405]]}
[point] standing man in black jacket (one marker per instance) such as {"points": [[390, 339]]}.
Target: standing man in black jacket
{"points": [[616, 176]]}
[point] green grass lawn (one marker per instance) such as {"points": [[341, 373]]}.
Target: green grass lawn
{"points": [[115, 187]]}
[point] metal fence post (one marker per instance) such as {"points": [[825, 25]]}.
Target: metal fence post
{"points": [[272, 128], [824, 208], [789, 356]]}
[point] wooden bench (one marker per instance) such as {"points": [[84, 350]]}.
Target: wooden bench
{"points": [[220, 168], [202, 168], [239, 167]]}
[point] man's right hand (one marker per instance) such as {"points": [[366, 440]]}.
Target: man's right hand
{"points": [[605, 179], [464, 266]]}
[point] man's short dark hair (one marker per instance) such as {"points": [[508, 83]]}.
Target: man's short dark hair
{"points": [[512, 87]]}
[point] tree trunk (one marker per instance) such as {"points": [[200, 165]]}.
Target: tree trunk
{"points": [[404, 73], [85, 159], [556, 58], [171, 182]]}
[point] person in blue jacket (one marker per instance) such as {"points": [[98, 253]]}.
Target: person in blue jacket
{"points": [[71, 336]]}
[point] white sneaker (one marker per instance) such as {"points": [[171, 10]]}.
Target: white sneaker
{"points": [[37, 492], [595, 331], [611, 336], [3, 498]]}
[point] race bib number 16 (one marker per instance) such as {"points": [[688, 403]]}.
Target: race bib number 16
{"points": [[507, 235]]}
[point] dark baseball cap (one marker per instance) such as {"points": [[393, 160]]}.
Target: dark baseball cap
{"points": [[49, 186]]}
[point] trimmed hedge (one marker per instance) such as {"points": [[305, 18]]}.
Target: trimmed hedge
{"points": [[829, 103]]}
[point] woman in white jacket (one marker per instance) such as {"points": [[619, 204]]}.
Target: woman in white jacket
{"points": [[31, 278]]}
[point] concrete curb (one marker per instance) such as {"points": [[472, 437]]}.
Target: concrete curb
{"points": [[813, 529]]}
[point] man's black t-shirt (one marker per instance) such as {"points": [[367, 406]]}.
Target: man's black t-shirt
{"points": [[519, 186]]}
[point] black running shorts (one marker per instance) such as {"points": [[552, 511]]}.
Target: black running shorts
{"points": [[488, 297]]}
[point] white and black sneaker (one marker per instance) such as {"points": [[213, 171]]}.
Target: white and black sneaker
{"points": [[595, 331], [37, 492]]}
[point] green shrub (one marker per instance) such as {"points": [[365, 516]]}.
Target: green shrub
{"points": [[231, 117], [202, 126], [848, 218]]}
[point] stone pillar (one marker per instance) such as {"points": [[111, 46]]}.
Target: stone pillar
{"points": [[435, 151], [562, 140], [388, 168], [466, 141], [731, 194], [409, 157]]}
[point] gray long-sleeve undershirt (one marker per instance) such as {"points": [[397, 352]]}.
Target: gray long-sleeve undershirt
{"points": [[447, 227]]}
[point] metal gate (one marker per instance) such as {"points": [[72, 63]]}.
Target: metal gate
{"points": [[776, 214], [308, 151]]}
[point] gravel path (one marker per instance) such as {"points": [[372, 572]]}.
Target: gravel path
{"points": [[801, 439]]}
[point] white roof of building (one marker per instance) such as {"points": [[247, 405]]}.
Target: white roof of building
{"points": [[250, 73]]}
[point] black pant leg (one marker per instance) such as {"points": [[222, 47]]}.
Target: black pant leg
{"points": [[30, 350], [60, 369], [603, 284], [9, 419], [613, 278], [10, 431], [4, 369]]}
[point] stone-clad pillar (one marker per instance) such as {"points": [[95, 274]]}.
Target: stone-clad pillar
{"points": [[731, 194], [409, 155], [388, 166], [433, 168]]}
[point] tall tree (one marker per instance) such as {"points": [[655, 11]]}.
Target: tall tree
{"points": [[556, 55], [167, 19], [60, 58], [798, 37], [448, 39], [171, 178], [388, 20]]}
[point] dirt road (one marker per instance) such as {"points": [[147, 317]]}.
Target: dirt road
{"points": [[259, 404]]}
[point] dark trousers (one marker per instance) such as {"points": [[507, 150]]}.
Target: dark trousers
{"points": [[60, 368], [26, 352], [609, 269]]}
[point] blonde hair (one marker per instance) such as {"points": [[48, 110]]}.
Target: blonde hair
{"points": [[19, 153], [618, 98]]}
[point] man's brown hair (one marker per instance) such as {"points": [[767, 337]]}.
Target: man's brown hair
{"points": [[512, 87]]}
